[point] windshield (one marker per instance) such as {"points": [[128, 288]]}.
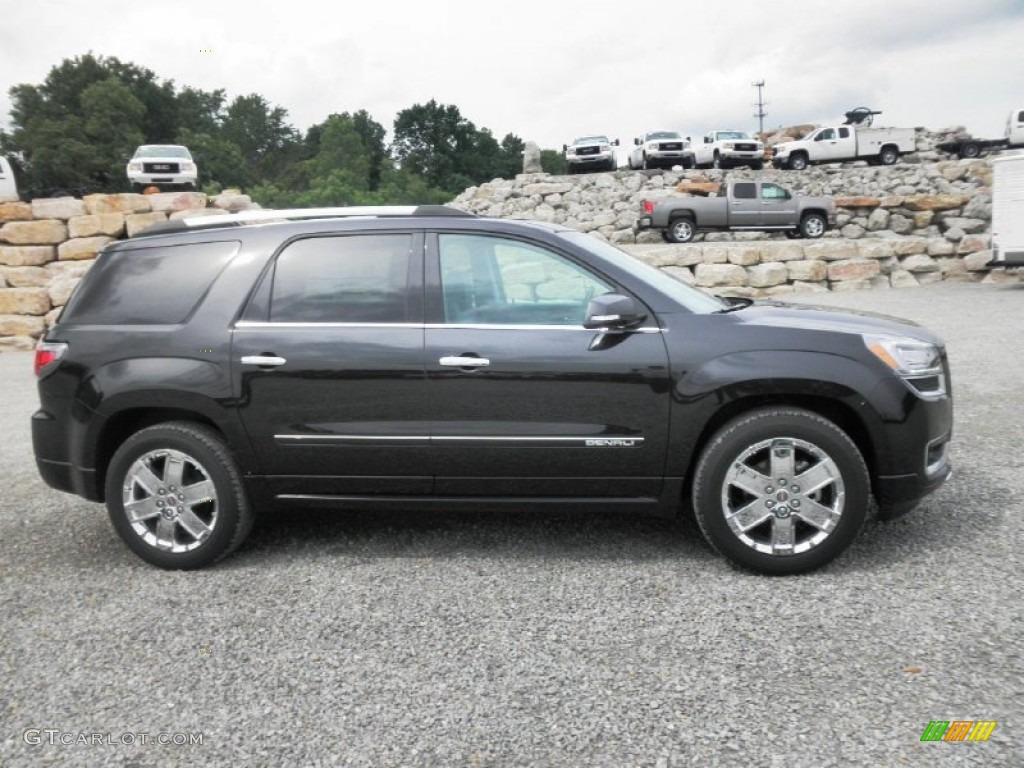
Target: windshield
{"points": [[592, 140], [733, 135], [162, 150], [694, 300], [664, 135]]}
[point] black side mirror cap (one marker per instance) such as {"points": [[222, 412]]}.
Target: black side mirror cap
{"points": [[612, 311]]}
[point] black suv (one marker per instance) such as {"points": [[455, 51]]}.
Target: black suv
{"points": [[403, 357]]}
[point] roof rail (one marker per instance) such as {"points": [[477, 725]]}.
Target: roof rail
{"points": [[298, 214]]}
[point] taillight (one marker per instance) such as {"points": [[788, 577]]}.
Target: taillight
{"points": [[48, 352], [648, 207]]}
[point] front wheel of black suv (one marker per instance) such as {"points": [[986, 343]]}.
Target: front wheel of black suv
{"points": [[175, 496], [781, 491]]}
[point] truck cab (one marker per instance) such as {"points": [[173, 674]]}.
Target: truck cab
{"points": [[8, 187], [727, 149], [1015, 128]]}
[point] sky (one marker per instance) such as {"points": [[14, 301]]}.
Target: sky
{"points": [[550, 71]]}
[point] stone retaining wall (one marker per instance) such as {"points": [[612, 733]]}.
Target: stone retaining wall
{"points": [[46, 246]]}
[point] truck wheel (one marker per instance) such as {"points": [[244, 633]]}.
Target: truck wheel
{"points": [[646, 165], [681, 230], [781, 490], [716, 161], [757, 166], [793, 234], [969, 150], [689, 162], [175, 496], [888, 155], [813, 226], [798, 162]]}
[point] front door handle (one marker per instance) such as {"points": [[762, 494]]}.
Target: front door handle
{"points": [[263, 360], [464, 362]]}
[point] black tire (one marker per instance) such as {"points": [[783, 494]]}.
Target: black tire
{"points": [[970, 150], [793, 234], [757, 165], [839, 504], [716, 161], [646, 165], [221, 505], [888, 155], [681, 230], [813, 226], [689, 163], [664, 236], [612, 165], [797, 162]]}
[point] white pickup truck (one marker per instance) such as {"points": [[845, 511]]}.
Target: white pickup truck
{"points": [[970, 147], [8, 187], [1008, 211], [839, 143], [726, 149]]}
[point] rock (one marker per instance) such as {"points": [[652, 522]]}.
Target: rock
{"points": [[900, 278], [123, 203], [715, 254], [852, 285], [15, 212], [137, 222], [767, 274], [196, 213], [1001, 277], [51, 317], [852, 231], [21, 325], [853, 269], [861, 201], [919, 263], [531, 158], [894, 201], [900, 224], [775, 250], [43, 232], [809, 271], [25, 277], [744, 255], [934, 202], [698, 188], [802, 287], [60, 289], [25, 343], [977, 261], [26, 255], [969, 226], [232, 201], [548, 188], [177, 201], [954, 234], [875, 249], [922, 219], [24, 301], [973, 243], [878, 220], [81, 248], [908, 246], [952, 266], [57, 208], [940, 247], [711, 275], [109, 224], [831, 250], [68, 268]]}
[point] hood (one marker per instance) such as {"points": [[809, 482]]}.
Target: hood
{"points": [[816, 318]]}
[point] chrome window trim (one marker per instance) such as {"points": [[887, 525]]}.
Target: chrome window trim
{"points": [[445, 326]]}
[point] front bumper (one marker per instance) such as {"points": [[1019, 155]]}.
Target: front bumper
{"points": [[175, 179], [584, 161]]}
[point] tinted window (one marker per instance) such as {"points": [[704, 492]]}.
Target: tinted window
{"points": [[744, 191], [491, 280], [826, 135], [144, 286], [1020, 116], [357, 279], [844, 133]]}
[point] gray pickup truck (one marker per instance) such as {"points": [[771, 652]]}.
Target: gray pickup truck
{"points": [[759, 205]]}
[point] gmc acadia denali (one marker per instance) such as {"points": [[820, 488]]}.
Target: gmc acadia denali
{"points": [[423, 357]]}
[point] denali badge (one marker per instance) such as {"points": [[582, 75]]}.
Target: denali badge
{"points": [[612, 442]]}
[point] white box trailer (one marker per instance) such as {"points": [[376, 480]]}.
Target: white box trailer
{"points": [[1008, 211], [8, 188]]}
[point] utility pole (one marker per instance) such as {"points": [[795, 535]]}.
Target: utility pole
{"points": [[761, 103]]}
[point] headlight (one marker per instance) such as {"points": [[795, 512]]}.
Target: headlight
{"points": [[570, 151], [134, 166], [916, 362], [728, 145], [190, 167], [606, 147]]}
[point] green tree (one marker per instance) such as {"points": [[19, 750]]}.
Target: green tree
{"points": [[267, 142], [554, 162]]}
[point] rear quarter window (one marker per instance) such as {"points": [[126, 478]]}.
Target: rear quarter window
{"points": [[148, 286]]}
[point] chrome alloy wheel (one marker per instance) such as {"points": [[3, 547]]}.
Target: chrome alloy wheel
{"points": [[783, 496], [170, 500]]}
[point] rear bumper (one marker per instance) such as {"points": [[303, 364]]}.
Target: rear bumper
{"points": [[50, 444]]}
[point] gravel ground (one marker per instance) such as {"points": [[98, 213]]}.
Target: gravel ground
{"points": [[545, 640]]}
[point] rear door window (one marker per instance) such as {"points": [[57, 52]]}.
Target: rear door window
{"points": [[344, 279], [744, 191]]}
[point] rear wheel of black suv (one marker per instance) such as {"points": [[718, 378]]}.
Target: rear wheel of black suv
{"points": [[781, 491], [175, 496]]}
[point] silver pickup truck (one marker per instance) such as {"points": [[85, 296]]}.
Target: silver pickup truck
{"points": [[758, 205]]}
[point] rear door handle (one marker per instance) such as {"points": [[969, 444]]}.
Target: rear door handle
{"points": [[263, 360], [464, 362]]}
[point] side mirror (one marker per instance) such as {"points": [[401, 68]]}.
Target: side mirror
{"points": [[565, 148], [637, 142], [612, 311], [616, 142], [707, 140]]}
